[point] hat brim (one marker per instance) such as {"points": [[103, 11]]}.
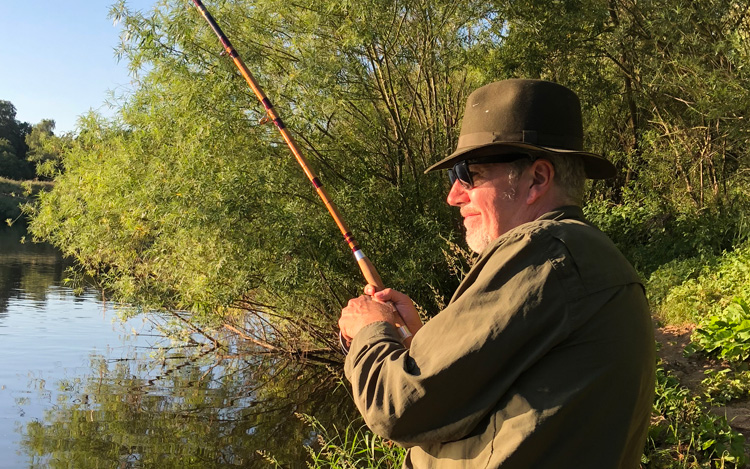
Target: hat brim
{"points": [[595, 166]]}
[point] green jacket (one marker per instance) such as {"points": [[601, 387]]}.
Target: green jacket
{"points": [[544, 358]]}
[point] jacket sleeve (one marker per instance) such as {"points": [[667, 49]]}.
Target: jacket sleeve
{"points": [[507, 313]]}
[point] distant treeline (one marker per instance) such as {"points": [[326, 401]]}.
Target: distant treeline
{"points": [[28, 151]]}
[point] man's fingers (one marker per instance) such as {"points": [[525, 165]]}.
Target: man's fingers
{"points": [[392, 295], [384, 295]]}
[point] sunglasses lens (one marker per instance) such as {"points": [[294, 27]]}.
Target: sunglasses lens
{"points": [[460, 172]]}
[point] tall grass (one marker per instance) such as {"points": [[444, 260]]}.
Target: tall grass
{"points": [[353, 447]]}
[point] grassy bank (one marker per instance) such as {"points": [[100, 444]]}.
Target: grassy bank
{"points": [[702, 317], [14, 193]]}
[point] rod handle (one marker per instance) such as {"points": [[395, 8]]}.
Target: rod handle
{"points": [[373, 278], [370, 273]]}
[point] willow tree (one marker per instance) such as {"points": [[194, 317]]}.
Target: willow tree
{"points": [[665, 96], [688, 96], [187, 202]]}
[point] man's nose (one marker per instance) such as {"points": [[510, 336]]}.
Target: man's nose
{"points": [[457, 195]]}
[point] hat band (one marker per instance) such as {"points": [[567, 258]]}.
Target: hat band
{"points": [[526, 136]]}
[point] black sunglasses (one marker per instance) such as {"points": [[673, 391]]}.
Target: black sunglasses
{"points": [[460, 170]]}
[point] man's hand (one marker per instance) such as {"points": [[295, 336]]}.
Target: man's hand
{"points": [[385, 305], [401, 302]]}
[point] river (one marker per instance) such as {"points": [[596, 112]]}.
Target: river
{"points": [[79, 388]]}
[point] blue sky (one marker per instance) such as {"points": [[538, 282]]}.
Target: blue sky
{"points": [[57, 58]]}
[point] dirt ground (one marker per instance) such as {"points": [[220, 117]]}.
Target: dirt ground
{"points": [[691, 371]]}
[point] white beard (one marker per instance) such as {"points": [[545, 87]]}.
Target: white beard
{"points": [[478, 241]]}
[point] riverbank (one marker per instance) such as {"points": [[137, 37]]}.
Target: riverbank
{"points": [[14, 193]]}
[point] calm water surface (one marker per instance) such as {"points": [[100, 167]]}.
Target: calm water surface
{"points": [[81, 389]]}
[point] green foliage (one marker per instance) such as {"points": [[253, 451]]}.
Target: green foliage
{"points": [[684, 434], [14, 194], [709, 286], [727, 335], [45, 148], [11, 166], [672, 274], [12, 130], [26, 150], [652, 234], [725, 385], [665, 96], [187, 203], [353, 448]]}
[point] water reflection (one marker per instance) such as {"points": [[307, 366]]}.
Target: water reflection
{"points": [[78, 391], [27, 270], [175, 413]]}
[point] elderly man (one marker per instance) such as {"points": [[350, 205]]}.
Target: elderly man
{"points": [[544, 357]]}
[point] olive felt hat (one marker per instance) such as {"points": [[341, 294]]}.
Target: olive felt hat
{"points": [[524, 115]]}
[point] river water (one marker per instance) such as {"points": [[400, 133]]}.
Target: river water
{"points": [[81, 389]]}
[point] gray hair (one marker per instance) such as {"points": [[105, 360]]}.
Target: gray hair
{"points": [[570, 175]]}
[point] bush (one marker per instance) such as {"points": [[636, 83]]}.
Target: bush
{"points": [[725, 336], [14, 194], [725, 385], [710, 284], [651, 234], [14, 168], [672, 274]]}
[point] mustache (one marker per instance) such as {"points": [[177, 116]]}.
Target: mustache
{"points": [[467, 211]]}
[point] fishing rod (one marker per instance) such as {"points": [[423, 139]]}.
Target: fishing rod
{"points": [[367, 268]]}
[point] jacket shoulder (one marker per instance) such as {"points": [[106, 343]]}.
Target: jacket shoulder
{"points": [[580, 246]]}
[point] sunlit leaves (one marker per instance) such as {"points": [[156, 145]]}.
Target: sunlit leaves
{"points": [[186, 202]]}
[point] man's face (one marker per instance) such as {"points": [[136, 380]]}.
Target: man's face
{"points": [[490, 208]]}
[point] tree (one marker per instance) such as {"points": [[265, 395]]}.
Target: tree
{"points": [[45, 149], [11, 166], [12, 144], [13, 130], [665, 96], [187, 203]]}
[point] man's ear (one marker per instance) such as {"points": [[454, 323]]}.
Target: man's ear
{"points": [[542, 174]]}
